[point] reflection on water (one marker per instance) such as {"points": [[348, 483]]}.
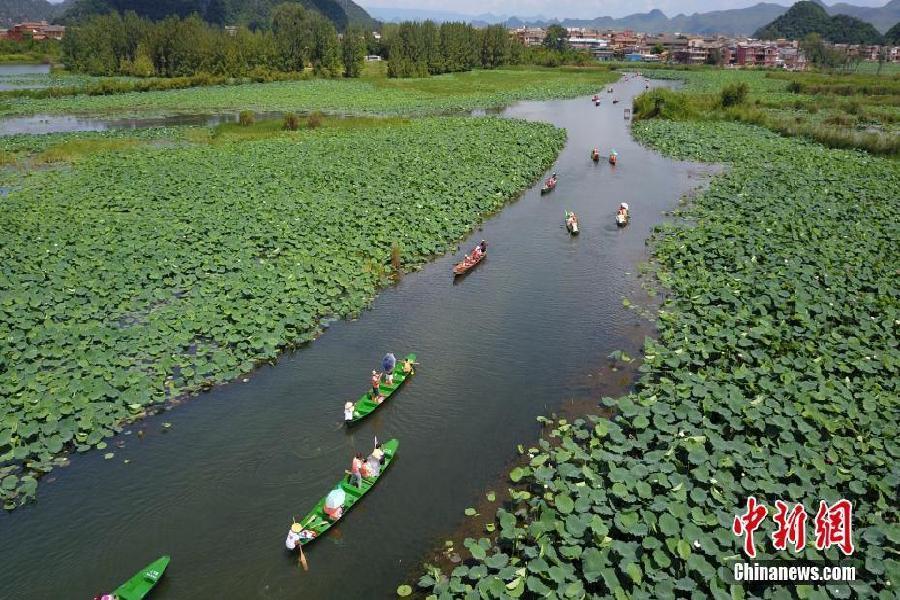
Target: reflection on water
{"points": [[514, 339]]}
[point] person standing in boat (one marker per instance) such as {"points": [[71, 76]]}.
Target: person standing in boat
{"points": [[388, 363], [348, 411], [376, 391], [355, 467]]}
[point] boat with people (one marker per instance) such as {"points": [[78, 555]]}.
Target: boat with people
{"points": [[615, 100], [549, 185], [387, 385], [477, 255], [613, 157], [622, 215], [344, 496], [142, 583], [571, 223], [595, 155]]}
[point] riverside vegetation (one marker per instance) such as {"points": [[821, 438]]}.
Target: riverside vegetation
{"points": [[775, 375], [131, 280], [860, 110], [376, 95]]}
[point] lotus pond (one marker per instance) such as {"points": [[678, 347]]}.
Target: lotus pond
{"points": [[453, 92], [133, 278], [775, 375]]}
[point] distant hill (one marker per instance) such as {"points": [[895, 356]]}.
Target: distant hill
{"points": [[738, 21], [882, 17], [18, 11], [237, 12], [807, 17], [892, 36]]}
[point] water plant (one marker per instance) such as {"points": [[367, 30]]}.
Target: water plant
{"points": [[775, 375], [451, 92], [127, 281]]}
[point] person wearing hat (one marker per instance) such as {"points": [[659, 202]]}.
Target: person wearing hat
{"points": [[348, 411], [296, 534]]}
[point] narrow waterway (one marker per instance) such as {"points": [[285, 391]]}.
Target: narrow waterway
{"points": [[515, 338]]}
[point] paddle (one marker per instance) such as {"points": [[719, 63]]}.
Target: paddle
{"points": [[303, 562], [303, 559]]}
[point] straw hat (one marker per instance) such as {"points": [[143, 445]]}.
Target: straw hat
{"points": [[296, 527]]}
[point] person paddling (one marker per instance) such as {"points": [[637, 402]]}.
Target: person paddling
{"points": [[389, 363], [348, 411], [408, 367], [296, 535]]}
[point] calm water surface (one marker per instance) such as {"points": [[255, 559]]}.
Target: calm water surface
{"points": [[18, 76], [511, 340]]}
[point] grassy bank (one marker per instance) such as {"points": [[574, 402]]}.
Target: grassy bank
{"points": [[840, 111], [453, 92], [775, 375], [136, 276]]}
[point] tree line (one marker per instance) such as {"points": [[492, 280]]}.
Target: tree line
{"points": [[420, 49], [297, 38]]}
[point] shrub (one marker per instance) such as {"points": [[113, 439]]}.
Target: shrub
{"points": [[246, 117], [734, 94], [291, 122], [664, 104], [315, 120]]}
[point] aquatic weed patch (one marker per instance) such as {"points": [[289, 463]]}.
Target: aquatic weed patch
{"points": [[838, 111], [775, 375], [453, 92], [131, 279]]}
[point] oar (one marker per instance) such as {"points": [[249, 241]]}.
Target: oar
{"points": [[303, 562]]}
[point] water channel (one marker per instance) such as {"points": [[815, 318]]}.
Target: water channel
{"points": [[515, 338]]}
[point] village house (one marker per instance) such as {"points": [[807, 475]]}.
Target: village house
{"points": [[530, 36], [37, 31]]}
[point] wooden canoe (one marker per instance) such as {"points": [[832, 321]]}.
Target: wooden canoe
{"points": [[462, 268]]}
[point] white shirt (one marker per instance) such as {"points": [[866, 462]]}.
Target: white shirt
{"points": [[292, 541], [348, 411]]}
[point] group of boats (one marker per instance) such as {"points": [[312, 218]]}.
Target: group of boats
{"points": [[596, 98], [613, 156], [365, 473], [355, 484]]}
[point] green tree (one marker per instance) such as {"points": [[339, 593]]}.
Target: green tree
{"points": [[658, 48], [216, 12], [292, 28], [326, 51], [556, 38], [494, 46], [353, 51]]}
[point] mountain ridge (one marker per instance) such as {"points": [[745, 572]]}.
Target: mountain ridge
{"points": [[735, 21]]}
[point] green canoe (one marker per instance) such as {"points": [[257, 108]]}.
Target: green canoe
{"points": [[140, 585], [317, 521], [366, 405]]}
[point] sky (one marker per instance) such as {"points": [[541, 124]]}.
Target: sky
{"points": [[580, 8]]}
